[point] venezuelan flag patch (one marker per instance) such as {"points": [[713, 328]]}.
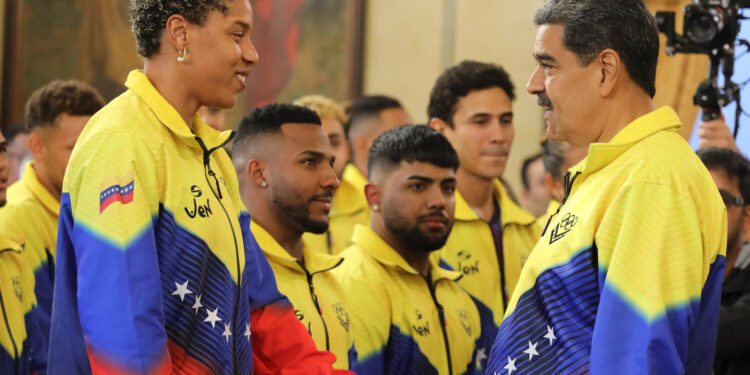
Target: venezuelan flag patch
{"points": [[116, 189]]}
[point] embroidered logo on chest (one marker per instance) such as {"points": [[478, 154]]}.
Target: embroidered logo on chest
{"points": [[563, 227], [467, 265], [198, 208], [463, 316], [17, 288], [342, 315], [421, 327]]}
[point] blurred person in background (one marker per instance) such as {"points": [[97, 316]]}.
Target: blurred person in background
{"points": [[157, 271], [214, 117], [409, 315], [471, 104], [23, 348], [558, 157], [284, 164], [534, 194], [18, 149], [332, 118], [369, 116], [731, 173], [56, 114]]}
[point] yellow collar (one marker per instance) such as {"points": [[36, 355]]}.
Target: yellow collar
{"points": [[370, 243], [351, 193], [6, 244], [168, 115], [31, 181], [314, 262], [601, 154], [552, 207], [510, 212]]}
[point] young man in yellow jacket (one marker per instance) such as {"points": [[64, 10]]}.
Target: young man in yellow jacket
{"points": [[55, 116], [369, 117], [409, 315], [471, 104], [284, 163], [626, 278], [22, 344]]}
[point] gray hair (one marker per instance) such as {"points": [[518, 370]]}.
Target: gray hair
{"points": [[591, 26]]}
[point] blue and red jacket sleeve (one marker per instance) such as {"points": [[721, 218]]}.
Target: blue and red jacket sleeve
{"points": [[280, 343], [107, 315]]}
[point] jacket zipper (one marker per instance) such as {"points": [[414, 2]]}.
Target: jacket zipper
{"points": [[569, 181], [316, 302], [441, 315], [16, 359], [218, 195]]}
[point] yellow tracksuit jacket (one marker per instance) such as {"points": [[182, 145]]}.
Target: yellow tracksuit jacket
{"points": [[318, 299], [30, 219], [627, 276], [404, 323], [471, 250]]}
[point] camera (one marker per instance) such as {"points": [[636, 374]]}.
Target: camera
{"points": [[710, 27]]}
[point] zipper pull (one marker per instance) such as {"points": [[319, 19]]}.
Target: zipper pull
{"points": [[218, 187]]}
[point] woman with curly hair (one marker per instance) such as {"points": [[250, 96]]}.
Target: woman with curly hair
{"points": [[157, 270]]}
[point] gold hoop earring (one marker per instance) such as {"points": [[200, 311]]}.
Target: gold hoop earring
{"points": [[181, 55]]}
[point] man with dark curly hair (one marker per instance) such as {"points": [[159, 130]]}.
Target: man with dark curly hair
{"points": [[471, 104], [157, 270], [55, 116]]}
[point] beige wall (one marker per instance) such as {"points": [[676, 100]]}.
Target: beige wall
{"points": [[409, 43]]}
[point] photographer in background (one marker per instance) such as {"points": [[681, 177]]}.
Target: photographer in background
{"points": [[731, 173]]}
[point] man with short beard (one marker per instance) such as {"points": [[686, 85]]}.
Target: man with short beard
{"points": [[410, 316], [284, 164]]}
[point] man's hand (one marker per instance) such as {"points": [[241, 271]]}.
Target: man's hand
{"points": [[716, 133]]}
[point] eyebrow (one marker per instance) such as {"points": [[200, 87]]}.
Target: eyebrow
{"points": [[420, 178], [243, 24], [485, 114], [316, 154], [541, 56], [448, 180]]}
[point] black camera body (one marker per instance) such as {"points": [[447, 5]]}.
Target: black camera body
{"points": [[710, 27]]}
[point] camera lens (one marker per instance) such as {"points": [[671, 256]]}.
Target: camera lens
{"points": [[704, 25]]}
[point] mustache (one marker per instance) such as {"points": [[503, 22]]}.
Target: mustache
{"points": [[543, 101], [433, 214], [326, 194], [495, 150]]}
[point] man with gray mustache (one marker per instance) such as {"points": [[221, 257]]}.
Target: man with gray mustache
{"points": [[471, 104]]}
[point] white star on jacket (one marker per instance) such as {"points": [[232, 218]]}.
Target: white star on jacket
{"points": [[247, 331], [227, 332], [550, 335], [181, 290], [511, 366], [197, 305], [481, 356], [531, 351], [213, 317]]}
